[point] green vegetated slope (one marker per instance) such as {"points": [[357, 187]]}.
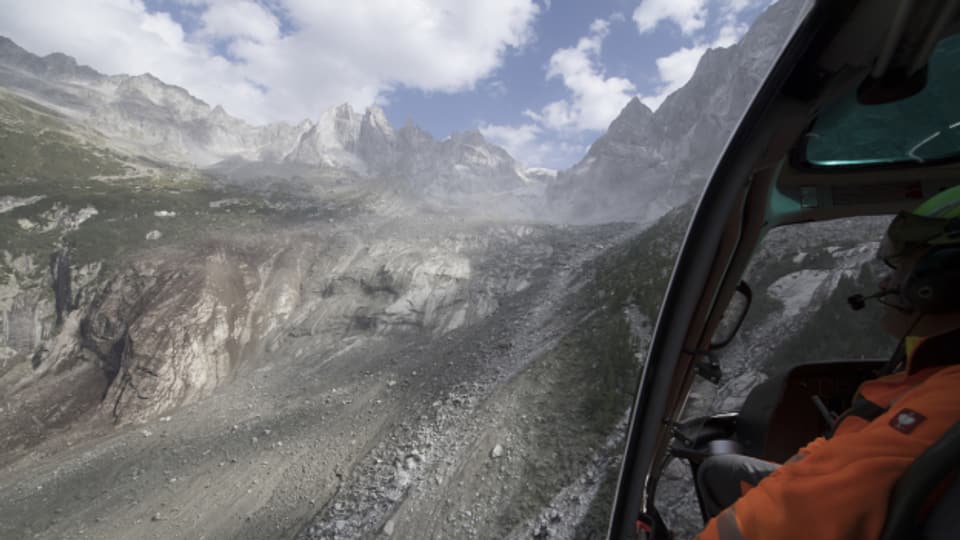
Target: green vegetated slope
{"points": [[590, 376], [582, 386], [638, 272], [36, 141], [42, 155], [635, 274]]}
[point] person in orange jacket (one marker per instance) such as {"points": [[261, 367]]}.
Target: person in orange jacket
{"points": [[839, 486]]}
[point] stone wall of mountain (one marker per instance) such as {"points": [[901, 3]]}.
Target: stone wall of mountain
{"points": [[143, 116], [645, 164], [649, 162]]}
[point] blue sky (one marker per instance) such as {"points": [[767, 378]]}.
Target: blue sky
{"points": [[542, 78]]}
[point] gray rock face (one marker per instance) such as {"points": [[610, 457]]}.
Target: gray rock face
{"points": [[649, 162], [141, 115], [176, 323], [377, 141], [464, 163], [331, 141], [54, 66]]}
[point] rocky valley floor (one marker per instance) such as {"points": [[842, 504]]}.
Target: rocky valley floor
{"points": [[351, 376], [347, 366]]}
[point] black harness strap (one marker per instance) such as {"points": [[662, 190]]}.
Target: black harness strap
{"points": [[861, 408]]}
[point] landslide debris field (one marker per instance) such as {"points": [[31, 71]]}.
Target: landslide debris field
{"points": [[344, 364], [195, 356], [339, 369]]}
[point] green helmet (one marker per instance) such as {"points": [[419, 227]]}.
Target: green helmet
{"points": [[943, 205], [936, 222]]}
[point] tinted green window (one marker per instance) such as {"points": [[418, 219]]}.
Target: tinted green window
{"points": [[921, 128]]}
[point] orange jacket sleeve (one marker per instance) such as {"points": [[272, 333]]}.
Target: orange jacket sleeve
{"points": [[840, 488]]}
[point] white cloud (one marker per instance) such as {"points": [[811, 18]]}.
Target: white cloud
{"points": [[689, 15], [518, 140], [558, 130], [535, 146], [332, 52], [595, 99], [241, 19], [555, 137], [675, 69], [730, 33], [495, 88]]}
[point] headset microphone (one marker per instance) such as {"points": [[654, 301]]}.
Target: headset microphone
{"points": [[859, 301]]}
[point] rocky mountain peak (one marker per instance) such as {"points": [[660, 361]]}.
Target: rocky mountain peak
{"points": [[634, 110], [147, 96], [770, 27], [57, 66], [413, 135], [376, 141], [67, 66], [220, 118], [341, 122], [634, 126], [143, 115], [342, 119], [160, 92], [469, 137], [10, 52], [648, 162], [342, 111], [376, 119]]}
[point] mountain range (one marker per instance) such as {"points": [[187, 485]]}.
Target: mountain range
{"points": [[646, 163], [649, 162], [145, 117]]}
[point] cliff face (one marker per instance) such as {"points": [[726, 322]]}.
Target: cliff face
{"points": [[649, 162], [169, 327], [143, 116]]}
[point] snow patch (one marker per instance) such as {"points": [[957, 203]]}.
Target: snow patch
{"points": [[535, 175], [542, 171], [8, 203], [796, 290], [223, 202], [60, 217], [83, 215], [860, 253]]}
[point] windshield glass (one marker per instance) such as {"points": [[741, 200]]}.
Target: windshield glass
{"points": [[801, 276], [923, 127], [303, 269]]}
